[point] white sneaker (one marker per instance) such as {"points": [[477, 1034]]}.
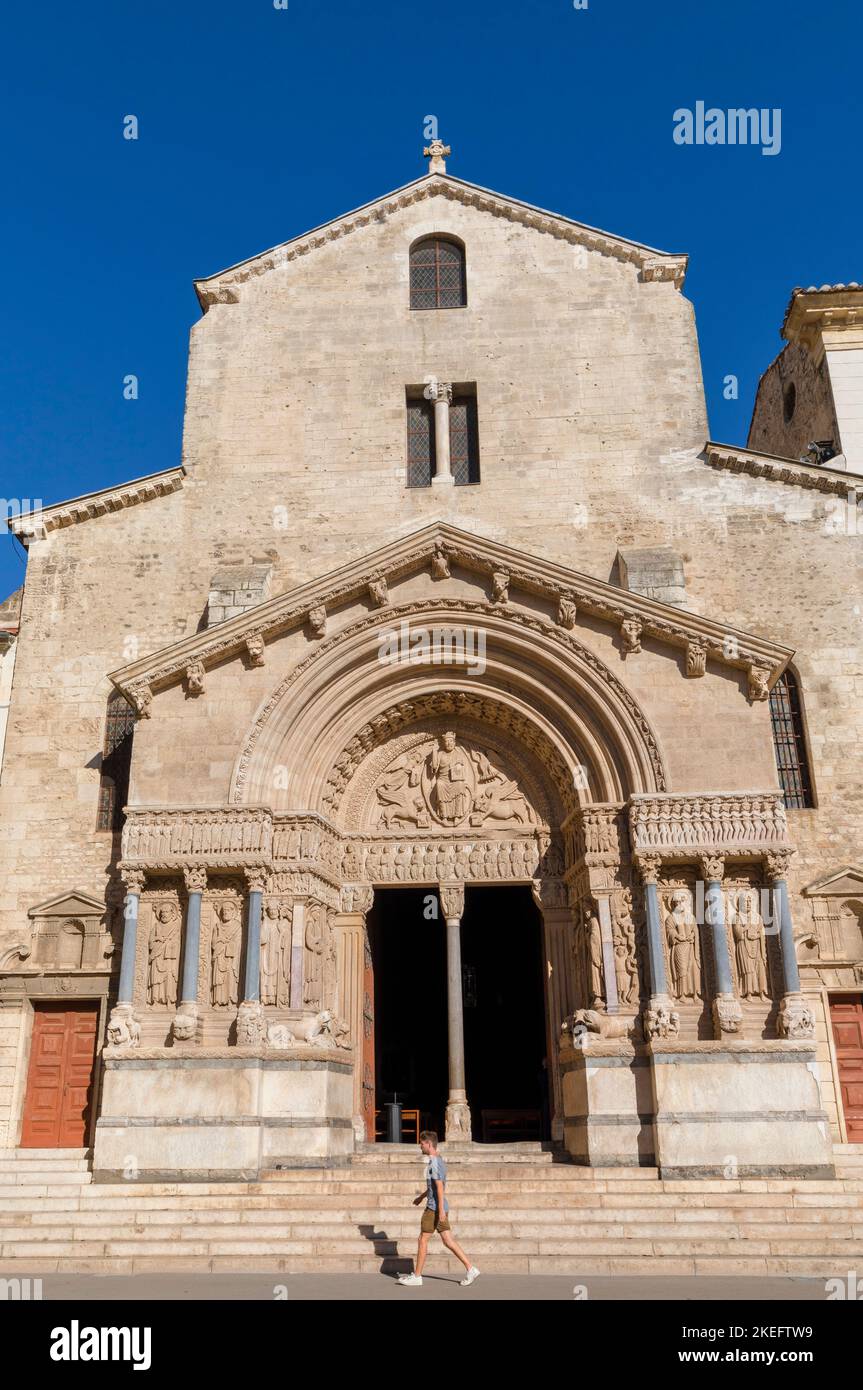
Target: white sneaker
{"points": [[412, 1278], [473, 1273]]}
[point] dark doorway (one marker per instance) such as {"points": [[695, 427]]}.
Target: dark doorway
{"points": [[408, 949], [504, 1011], [504, 1015]]}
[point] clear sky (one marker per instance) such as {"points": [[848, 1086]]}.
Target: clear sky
{"points": [[256, 123]]}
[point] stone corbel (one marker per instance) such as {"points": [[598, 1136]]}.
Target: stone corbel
{"points": [[141, 697], [378, 590], [696, 659], [630, 635], [318, 620], [500, 586], [759, 678], [567, 611], [255, 649], [195, 678]]}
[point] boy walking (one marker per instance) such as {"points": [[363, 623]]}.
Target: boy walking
{"points": [[435, 1215]]}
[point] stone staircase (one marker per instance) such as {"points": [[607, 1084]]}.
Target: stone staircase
{"points": [[514, 1209]]}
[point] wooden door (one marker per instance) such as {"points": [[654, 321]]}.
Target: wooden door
{"points": [[60, 1081], [846, 1014]]}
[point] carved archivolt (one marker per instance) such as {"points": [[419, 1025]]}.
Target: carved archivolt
{"points": [[619, 727]]}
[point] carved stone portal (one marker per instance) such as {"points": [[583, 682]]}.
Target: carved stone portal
{"points": [[444, 783]]}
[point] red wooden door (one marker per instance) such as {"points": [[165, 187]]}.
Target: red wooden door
{"points": [[60, 1081], [846, 1013]]}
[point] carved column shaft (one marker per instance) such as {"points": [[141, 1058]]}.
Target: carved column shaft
{"points": [[458, 1123], [442, 398], [134, 884]]}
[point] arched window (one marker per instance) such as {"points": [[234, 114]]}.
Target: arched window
{"points": [[116, 763], [437, 274], [789, 741]]}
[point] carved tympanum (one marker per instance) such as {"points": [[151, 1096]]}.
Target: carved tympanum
{"points": [[444, 783]]}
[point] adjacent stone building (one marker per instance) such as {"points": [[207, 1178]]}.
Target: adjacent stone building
{"points": [[452, 726]]}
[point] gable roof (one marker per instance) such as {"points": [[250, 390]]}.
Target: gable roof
{"points": [[32, 525], [844, 882], [222, 288], [476, 554]]}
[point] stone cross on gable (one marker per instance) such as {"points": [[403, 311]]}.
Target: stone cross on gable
{"points": [[435, 153]]}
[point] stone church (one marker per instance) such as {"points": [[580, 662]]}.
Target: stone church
{"points": [[457, 728]]}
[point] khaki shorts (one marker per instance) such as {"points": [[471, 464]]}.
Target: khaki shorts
{"points": [[430, 1221]]}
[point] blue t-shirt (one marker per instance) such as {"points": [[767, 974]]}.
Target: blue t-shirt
{"points": [[436, 1169]]}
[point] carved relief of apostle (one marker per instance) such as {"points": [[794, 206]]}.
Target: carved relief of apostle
{"points": [[749, 948], [314, 956], [680, 933], [163, 955], [275, 954], [593, 941], [225, 948]]}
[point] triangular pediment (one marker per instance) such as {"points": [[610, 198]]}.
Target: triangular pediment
{"points": [[73, 904], [846, 882], [505, 577], [225, 286]]}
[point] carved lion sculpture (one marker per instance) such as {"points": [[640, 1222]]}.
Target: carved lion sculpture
{"points": [[579, 1027], [124, 1030], [323, 1030]]}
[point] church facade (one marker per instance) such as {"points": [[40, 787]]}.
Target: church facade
{"points": [[456, 726]]}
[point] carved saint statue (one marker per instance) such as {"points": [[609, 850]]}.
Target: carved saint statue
{"points": [[680, 933], [593, 941], [225, 950], [749, 950], [163, 954], [275, 954], [315, 955]]}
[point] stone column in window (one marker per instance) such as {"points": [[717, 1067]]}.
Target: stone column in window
{"points": [[440, 392]]}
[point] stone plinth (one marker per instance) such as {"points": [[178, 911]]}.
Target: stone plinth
{"points": [[607, 1104], [221, 1113], [738, 1109]]}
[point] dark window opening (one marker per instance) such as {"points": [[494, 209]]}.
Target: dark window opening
{"points": [[789, 742], [116, 764]]}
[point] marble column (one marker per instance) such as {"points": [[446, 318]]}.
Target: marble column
{"points": [[123, 1026], [134, 882], [185, 1025], [795, 1019], [350, 925], [250, 1016], [660, 1017], [726, 1007], [441, 393], [458, 1123]]}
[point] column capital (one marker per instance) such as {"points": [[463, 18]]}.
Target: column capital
{"points": [[452, 900], [712, 867], [256, 879], [648, 866], [438, 391], [133, 879], [195, 878], [777, 862], [357, 898]]}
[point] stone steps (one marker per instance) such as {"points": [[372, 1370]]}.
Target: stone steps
{"points": [[525, 1214]]}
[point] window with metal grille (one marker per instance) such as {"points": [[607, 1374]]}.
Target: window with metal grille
{"points": [[464, 440], [420, 443], [789, 741], [437, 274], [116, 763]]}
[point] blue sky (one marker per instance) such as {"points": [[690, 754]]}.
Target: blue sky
{"points": [[257, 123]]}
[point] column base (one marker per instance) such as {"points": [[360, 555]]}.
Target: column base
{"points": [[457, 1123], [727, 1014], [124, 1026], [186, 1026], [447, 481], [251, 1028], [796, 1019]]}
